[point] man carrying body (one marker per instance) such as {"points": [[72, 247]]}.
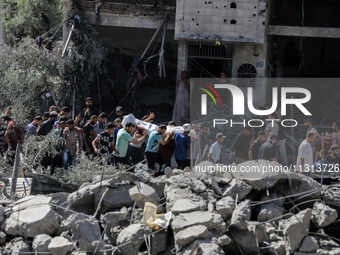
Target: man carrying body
{"points": [[122, 143], [304, 161], [255, 147], [241, 145], [89, 134], [152, 155], [182, 149], [71, 135], [267, 150], [216, 149]]}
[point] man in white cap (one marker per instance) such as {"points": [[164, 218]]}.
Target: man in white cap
{"points": [[182, 141], [216, 149]]}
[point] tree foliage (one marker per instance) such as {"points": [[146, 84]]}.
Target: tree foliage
{"points": [[29, 18]]}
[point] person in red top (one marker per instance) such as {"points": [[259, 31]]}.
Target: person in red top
{"points": [[12, 137], [327, 143]]}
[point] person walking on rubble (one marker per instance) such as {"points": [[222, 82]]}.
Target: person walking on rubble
{"points": [[216, 149]]}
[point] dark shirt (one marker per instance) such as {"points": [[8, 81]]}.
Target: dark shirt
{"points": [[333, 160], [87, 113], [267, 151], [105, 141], [45, 127], [89, 135], [255, 148], [241, 146], [182, 144]]}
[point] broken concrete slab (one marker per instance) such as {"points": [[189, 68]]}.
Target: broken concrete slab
{"points": [[181, 181], [142, 193], [215, 187], [309, 244], [206, 247], [186, 236], [198, 186], [41, 242], [114, 198], [249, 238], [82, 200], [133, 236], [158, 184], [186, 206], [143, 176], [331, 196], [241, 215], [212, 221], [323, 215], [225, 207], [270, 211], [279, 248], [173, 194], [60, 246], [86, 232], [32, 221], [239, 187], [295, 229], [19, 246]]}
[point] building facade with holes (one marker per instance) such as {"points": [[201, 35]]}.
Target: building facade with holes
{"points": [[246, 38]]}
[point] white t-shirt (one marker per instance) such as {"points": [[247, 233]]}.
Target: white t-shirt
{"points": [[306, 152]]}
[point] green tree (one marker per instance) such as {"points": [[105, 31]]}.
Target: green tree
{"points": [[29, 18]]}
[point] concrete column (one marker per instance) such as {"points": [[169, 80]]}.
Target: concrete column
{"points": [[182, 58], [67, 7]]}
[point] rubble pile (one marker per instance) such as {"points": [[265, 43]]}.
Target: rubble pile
{"points": [[211, 213]]}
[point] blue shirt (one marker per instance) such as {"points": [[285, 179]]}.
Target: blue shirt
{"points": [[153, 144], [182, 144], [116, 131], [31, 129]]}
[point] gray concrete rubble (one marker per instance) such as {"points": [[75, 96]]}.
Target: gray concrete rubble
{"points": [[241, 215], [190, 234], [207, 213], [60, 246], [323, 215], [41, 242], [142, 193], [237, 188], [133, 235]]}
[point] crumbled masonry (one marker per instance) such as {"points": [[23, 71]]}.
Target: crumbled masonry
{"points": [[212, 213]]}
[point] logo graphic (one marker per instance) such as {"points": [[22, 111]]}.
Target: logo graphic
{"points": [[238, 102], [204, 97]]}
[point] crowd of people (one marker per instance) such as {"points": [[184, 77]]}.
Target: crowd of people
{"points": [[90, 133]]}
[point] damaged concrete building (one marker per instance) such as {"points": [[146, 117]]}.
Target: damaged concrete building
{"points": [[246, 38]]}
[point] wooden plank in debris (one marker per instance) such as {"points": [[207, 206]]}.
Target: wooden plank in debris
{"points": [[23, 184]]}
